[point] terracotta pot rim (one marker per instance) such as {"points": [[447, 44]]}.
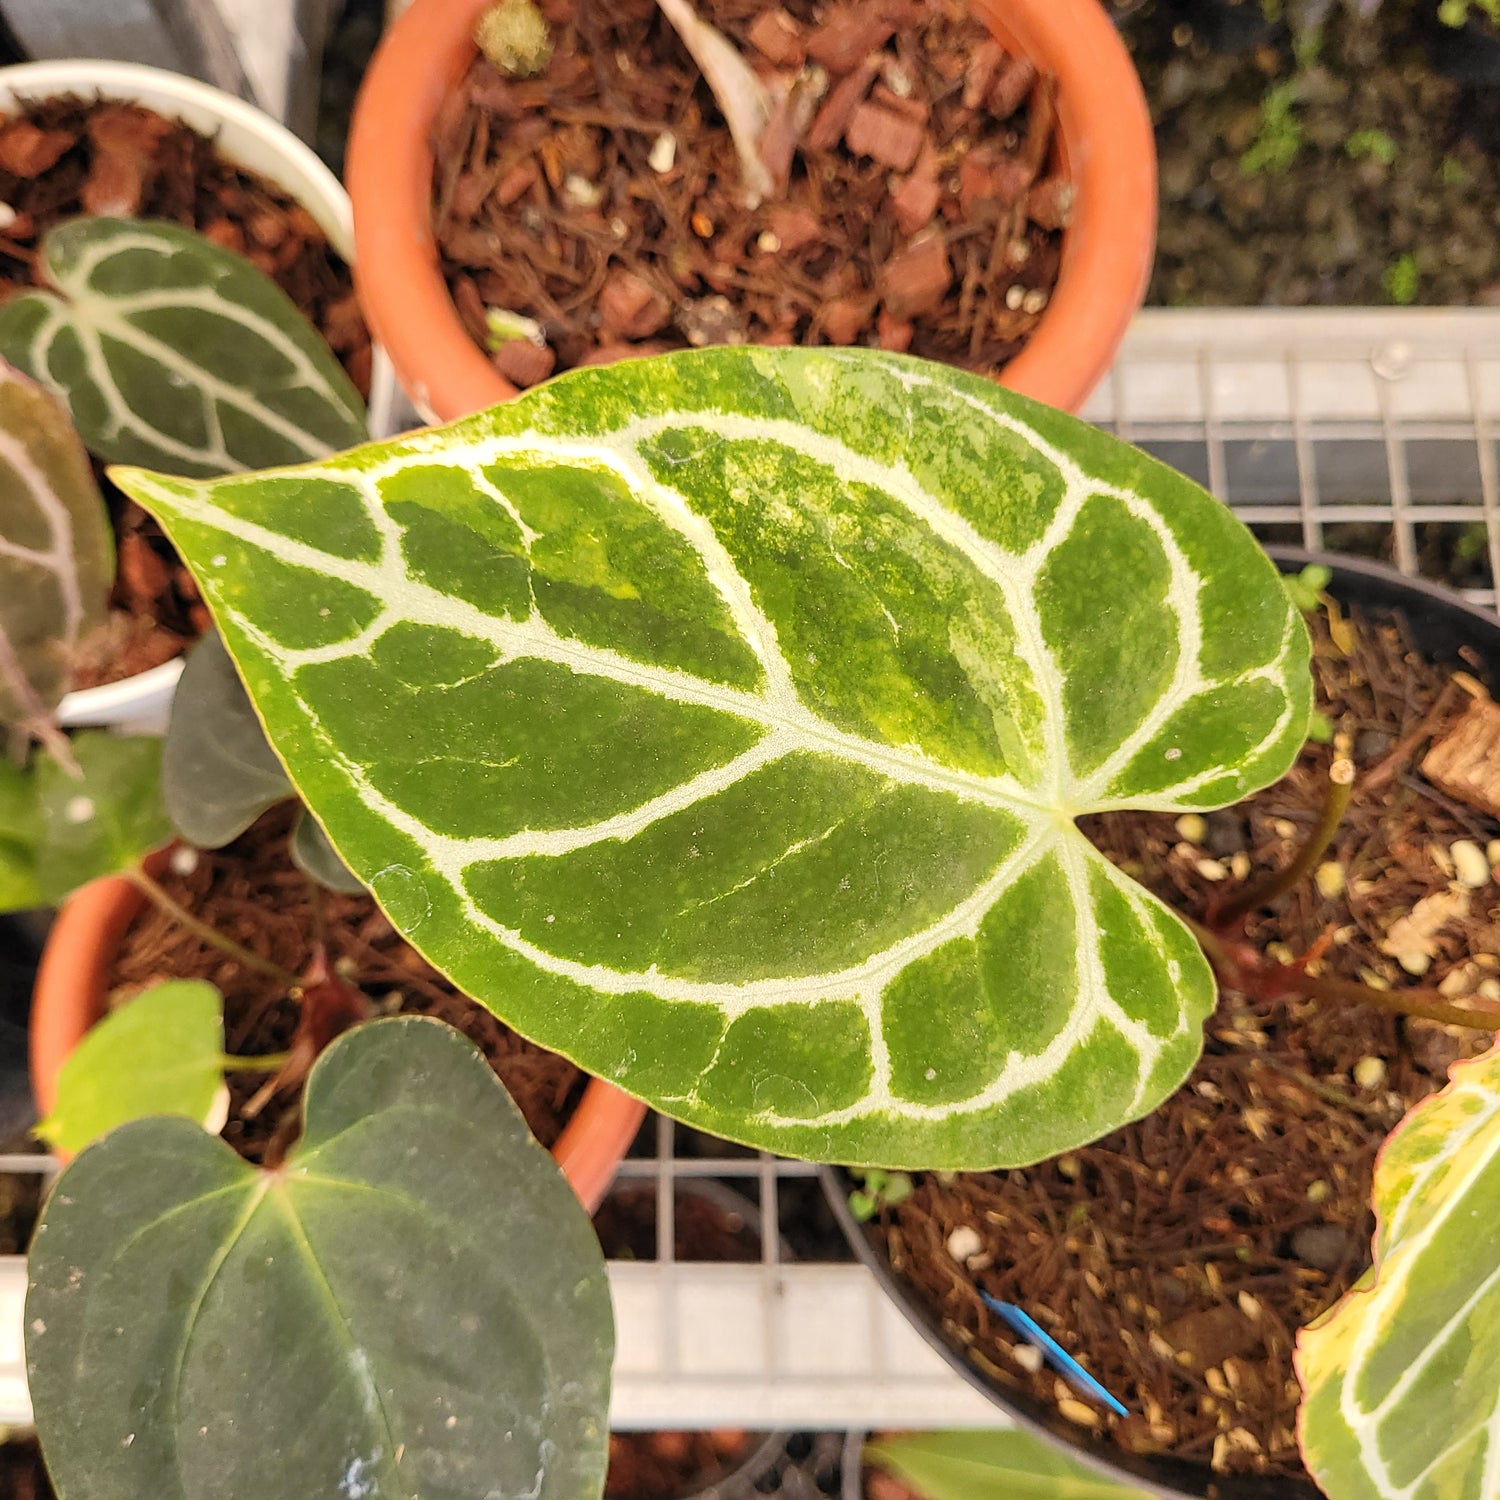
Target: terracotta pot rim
{"points": [[70, 993], [1105, 137]]}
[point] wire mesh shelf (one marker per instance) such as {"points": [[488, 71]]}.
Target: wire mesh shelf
{"points": [[1358, 431]]}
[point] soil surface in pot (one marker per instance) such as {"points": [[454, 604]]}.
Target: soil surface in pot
{"points": [[23, 1475], [1357, 167], [252, 892], [1178, 1257], [911, 205], [67, 156]]}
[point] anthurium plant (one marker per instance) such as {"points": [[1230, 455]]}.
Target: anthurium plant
{"points": [[722, 722]]}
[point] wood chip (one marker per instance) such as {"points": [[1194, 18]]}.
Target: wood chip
{"points": [[838, 109], [630, 307], [891, 139], [849, 33], [915, 202], [1465, 763], [27, 150], [916, 280], [524, 363], [775, 35]]}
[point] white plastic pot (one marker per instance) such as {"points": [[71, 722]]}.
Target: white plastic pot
{"points": [[257, 143]]}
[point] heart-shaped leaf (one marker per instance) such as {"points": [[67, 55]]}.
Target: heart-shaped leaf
{"points": [[57, 557], [161, 1053], [1002, 1465], [1401, 1380], [175, 353], [102, 821], [413, 1305], [720, 720]]}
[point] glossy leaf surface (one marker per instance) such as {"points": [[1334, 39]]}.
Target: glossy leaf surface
{"points": [[172, 352], [160, 1053], [57, 557], [413, 1306], [720, 720], [1401, 1381]]}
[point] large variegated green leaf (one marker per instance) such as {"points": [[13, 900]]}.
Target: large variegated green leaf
{"points": [[57, 556], [1401, 1381], [721, 720], [173, 352], [412, 1307]]}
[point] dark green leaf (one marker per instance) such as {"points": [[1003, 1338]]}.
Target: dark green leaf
{"points": [[172, 352], [414, 1305], [57, 555], [218, 773], [318, 859]]}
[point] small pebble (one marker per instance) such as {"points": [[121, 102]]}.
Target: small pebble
{"points": [[1470, 864], [1318, 1191], [1068, 1166], [964, 1242], [1492, 853], [1239, 865], [1285, 828], [580, 191], [1211, 869], [1249, 1305], [1489, 989], [7, 216], [1192, 827], [1330, 879], [184, 860], [1029, 1357], [1369, 1072], [663, 153], [1415, 964], [1322, 1246], [1076, 1411]]}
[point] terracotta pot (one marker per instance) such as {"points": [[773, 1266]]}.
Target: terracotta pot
{"points": [[1105, 141], [72, 987], [1442, 624]]}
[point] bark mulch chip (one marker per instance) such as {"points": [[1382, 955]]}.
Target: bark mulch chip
{"points": [[1177, 1257], [911, 208]]}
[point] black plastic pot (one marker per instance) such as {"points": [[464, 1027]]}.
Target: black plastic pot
{"points": [[1446, 629]]}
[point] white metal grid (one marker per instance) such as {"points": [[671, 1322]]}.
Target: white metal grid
{"points": [[1367, 431]]}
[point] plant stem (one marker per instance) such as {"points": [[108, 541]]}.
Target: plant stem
{"points": [[1428, 1005], [215, 939], [267, 1062], [1340, 789]]}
